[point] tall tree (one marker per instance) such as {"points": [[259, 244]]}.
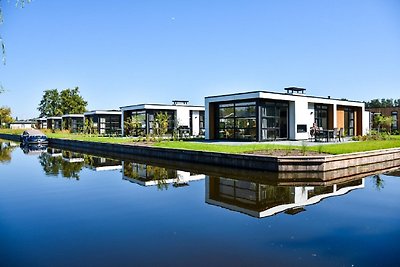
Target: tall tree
{"points": [[68, 101], [50, 105], [5, 116], [72, 102]]}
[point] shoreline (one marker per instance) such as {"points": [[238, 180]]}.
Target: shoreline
{"points": [[347, 164]]}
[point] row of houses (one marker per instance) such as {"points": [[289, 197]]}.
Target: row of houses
{"points": [[253, 116], [184, 117]]}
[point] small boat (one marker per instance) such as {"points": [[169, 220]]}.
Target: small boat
{"points": [[33, 136]]}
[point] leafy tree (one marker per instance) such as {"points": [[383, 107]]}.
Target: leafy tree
{"points": [[88, 127], [383, 121], [5, 116], [383, 103], [160, 124], [68, 101], [71, 102], [133, 125], [50, 105]]}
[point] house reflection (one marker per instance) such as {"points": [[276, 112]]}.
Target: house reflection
{"points": [[72, 157], [149, 175], [54, 152], [261, 200], [102, 164]]}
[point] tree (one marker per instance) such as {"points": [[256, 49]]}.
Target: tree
{"points": [[71, 102], [383, 103], [50, 104], [133, 125], [88, 127], [383, 121], [160, 124], [5, 116]]}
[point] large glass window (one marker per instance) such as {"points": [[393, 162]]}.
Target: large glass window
{"points": [[237, 121], [349, 121], [274, 120], [321, 115], [394, 120]]}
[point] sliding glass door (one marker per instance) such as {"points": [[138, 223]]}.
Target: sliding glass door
{"points": [[274, 121]]}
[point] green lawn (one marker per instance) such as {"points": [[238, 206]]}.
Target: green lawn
{"points": [[338, 148]]}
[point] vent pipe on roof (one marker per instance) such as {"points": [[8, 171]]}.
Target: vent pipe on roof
{"points": [[180, 102], [295, 90]]}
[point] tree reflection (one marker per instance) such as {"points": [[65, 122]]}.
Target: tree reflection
{"points": [[5, 151], [378, 182], [61, 165], [146, 172]]}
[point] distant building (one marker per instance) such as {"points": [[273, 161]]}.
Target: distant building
{"points": [[186, 118], [105, 121], [22, 125], [73, 122], [263, 116], [388, 112], [54, 123]]}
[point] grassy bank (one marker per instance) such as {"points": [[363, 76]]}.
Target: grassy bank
{"points": [[335, 149]]}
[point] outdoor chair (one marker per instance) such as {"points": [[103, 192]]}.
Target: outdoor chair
{"points": [[336, 134], [341, 134]]}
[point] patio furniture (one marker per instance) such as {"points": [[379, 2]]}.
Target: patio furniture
{"points": [[341, 134]]}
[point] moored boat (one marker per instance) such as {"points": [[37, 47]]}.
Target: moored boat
{"points": [[33, 136]]}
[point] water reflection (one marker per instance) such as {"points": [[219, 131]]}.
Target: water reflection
{"points": [[258, 194], [261, 200], [33, 149], [6, 147], [101, 163], [149, 175]]}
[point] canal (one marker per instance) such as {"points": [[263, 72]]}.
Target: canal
{"points": [[69, 208]]}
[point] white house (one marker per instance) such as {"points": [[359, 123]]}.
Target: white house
{"points": [[181, 116], [262, 115], [22, 125]]}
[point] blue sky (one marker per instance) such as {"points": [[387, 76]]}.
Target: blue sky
{"points": [[129, 52]]}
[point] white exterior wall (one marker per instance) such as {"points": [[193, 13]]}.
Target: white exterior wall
{"points": [[366, 117], [301, 116], [182, 116], [20, 126], [195, 123]]}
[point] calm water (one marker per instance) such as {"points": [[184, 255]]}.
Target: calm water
{"points": [[61, 208]]}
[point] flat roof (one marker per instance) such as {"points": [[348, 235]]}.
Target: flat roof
{"points": [[171, 106], [286, 94], [54, 118], [73, 115], [106, 112]]}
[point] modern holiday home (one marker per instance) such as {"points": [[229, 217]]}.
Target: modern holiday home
{"points": [[105, 121], [73, 122], [41, 123], [262, 115], [188, 119], [54, 123]]}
